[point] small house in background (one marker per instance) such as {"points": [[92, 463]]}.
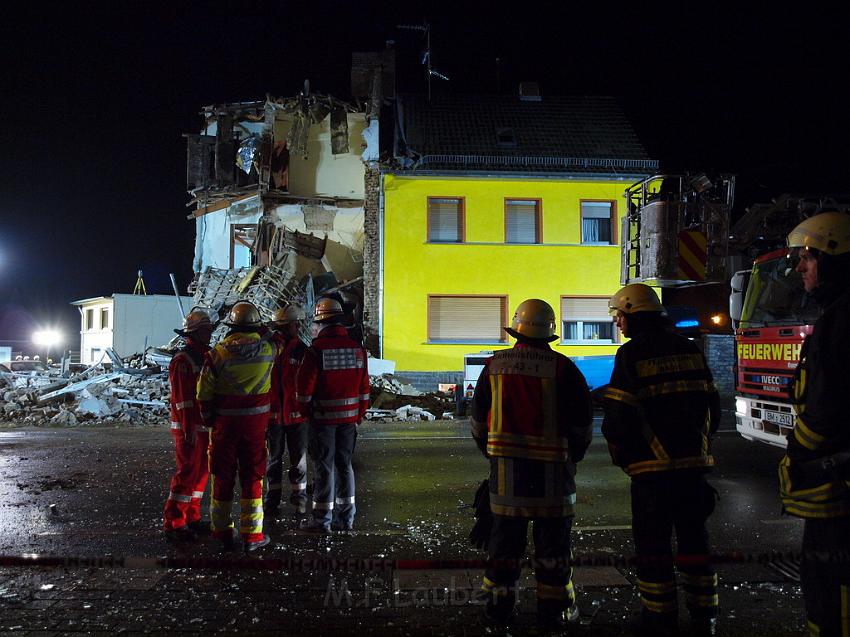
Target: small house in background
{"points": [[127, 323]]}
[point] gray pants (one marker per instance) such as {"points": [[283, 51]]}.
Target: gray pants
{"points": [[331, 449], [279, 437]]}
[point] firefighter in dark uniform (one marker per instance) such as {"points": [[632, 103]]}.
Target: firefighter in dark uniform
{"points": [[661, 408], [815, 472], [531, 416]]}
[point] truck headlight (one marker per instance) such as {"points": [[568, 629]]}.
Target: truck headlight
{"points": [[741, 407]]}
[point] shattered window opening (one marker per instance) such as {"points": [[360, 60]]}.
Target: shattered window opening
{"points": [[242, 237]]}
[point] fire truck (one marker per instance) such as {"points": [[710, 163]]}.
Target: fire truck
{"points": [[772, 315]]}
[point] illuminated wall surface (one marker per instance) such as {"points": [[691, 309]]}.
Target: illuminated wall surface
{"points": [[484, 264]]}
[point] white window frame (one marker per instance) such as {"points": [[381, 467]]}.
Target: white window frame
{"points": [[611, 216], [104, 312], [601, 317]]}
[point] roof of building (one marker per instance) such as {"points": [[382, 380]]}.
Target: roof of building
{"points": [[510, 133]]}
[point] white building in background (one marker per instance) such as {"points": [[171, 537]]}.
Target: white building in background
{"points": [[128, 323]]}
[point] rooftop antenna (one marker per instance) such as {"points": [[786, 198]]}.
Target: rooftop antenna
{"points": [[140, 285], [426, 54]]}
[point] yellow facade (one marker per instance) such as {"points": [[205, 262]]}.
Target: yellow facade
{"points": [[484, 264]]}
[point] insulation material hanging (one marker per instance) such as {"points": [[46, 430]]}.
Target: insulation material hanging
{"points": [[247, 153]]}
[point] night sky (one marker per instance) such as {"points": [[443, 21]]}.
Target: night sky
{"points": [[97, 99]]}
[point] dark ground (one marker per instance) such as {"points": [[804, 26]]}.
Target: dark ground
{"points": [[99, 492]]}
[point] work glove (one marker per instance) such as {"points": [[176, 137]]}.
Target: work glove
{"points": [[479, 536]]}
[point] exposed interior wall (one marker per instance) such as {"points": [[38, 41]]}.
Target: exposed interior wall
{"points": [[322, 173], [145, 320], [485, 265], [213, 232]]}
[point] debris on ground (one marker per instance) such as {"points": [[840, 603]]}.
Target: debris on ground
{"points": [[123, 391], [392, 399]]}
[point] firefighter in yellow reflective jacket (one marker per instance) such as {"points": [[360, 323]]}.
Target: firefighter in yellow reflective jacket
{"points": [[815, 472], [661, 408], [531, 416], [234, 394]]}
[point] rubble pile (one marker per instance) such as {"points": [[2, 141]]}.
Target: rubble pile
{"points": [[91, 397], [390, 399]]}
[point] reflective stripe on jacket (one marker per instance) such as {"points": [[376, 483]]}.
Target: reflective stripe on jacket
{"points": [[289, 354], [332, 382], [661, 406], [821, 387], [531, 415], [183, 373], [236, 376]]}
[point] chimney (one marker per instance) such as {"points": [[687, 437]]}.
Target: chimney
{"points": [[529, 92]]}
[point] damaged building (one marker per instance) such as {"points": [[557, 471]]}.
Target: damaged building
{"points": [[279, 190], [476, 203]]}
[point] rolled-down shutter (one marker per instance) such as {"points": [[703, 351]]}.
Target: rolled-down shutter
{"points": [[462, 318], [584, 309], [521, 221], [445, 220]]}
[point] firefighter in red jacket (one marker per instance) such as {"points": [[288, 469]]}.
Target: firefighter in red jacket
{"points": [[287, 427], [182, 515], [332, 390], [531, 416], [234, 390], [661, 408]]}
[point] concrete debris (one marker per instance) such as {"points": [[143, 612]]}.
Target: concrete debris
{"points": [[392, 399], [410, 413], [389, 384], [100, 394]]}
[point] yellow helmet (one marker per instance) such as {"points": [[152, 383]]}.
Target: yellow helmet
{"points": [[828, 232], [533, 318], [195, 320], [243, 314], [327, 310], [635, 297], [289, 314]]}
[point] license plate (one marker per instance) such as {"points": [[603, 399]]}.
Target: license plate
{"points": [[778, 419]]}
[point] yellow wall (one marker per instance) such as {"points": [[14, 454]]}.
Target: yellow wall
{"points": [[414, 268]]}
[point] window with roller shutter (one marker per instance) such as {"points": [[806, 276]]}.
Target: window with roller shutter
{"points": [[467, 319], [445, 220], [585, 321], [522, 221]]}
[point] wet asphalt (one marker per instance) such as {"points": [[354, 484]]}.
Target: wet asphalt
{"points": [[99, 491]]}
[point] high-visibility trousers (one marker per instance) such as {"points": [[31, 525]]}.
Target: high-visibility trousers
{"points": [[280, 437], [238, 446], [183, 505]]}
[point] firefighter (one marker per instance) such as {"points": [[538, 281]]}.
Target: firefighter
{"points": [[815, 472], [234, 393], [332, 390], [531, 416], [182, 514], [661, 407], [287, 427]]}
